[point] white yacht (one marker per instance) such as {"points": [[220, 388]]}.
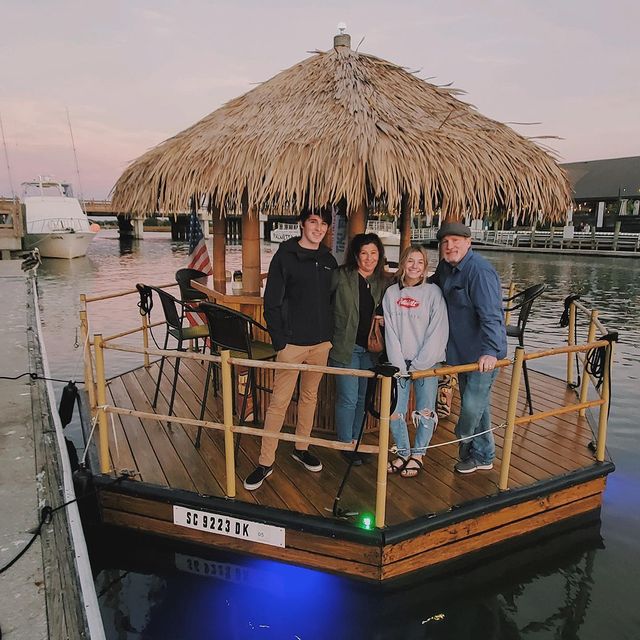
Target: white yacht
{"points": [[56, 223]]}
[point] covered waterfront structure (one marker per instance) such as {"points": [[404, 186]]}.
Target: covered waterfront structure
{"points": [[348, 130]]}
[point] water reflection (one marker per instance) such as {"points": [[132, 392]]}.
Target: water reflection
{"points": [[159, 590]]}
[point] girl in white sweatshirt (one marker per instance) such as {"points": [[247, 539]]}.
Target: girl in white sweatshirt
{"points": [[416, 334]]}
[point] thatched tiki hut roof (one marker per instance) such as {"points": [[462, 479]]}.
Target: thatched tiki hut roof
{"points": [[347, 127]]}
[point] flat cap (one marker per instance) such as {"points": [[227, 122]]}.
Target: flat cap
{"points": [[453, 229]]}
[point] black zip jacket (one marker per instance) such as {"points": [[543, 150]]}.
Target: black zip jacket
{"points": [[298, 298]]}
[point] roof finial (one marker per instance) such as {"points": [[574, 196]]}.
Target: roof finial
{"points": [[343, 39]]}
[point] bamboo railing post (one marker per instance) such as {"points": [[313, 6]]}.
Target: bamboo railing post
{"points": [[514, 389], [591, 336], [101, 393], [227, 406], [86, 356], [145, 339], [507, 314], [604, 407], [383, 444], [571, 341]]}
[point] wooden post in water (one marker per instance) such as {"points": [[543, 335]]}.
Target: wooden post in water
{"points": [[383, 448], [571, 340], [227, 407], [405, 224], [101, 393], [604, 407], [219, 249], [250, 248], [514, 389], [86, 356], [591, 336], [357, 220]]}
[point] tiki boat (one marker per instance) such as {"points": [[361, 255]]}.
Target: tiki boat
{"points": [[157, 473], [345, 130]]}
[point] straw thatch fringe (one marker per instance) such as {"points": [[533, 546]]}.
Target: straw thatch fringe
{"points": [[346, 125]]}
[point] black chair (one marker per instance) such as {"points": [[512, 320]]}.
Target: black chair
{"points": [[522, 302], [232, 330], [175, 316], [187, 292]]}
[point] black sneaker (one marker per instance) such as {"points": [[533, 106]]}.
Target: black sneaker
{"points": [[352, 457], [255, 479], [310, 462]]}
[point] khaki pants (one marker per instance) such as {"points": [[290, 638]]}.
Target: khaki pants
{"points": [[283, 385]]}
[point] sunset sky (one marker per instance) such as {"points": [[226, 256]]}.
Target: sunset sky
{"points": [[135, 73]]}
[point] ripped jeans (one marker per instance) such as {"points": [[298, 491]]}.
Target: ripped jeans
{"points": [[425, 392]]}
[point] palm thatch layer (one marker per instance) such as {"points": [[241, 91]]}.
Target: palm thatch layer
{"points": [[343, 124]]}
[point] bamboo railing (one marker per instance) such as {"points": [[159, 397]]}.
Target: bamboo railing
{"points": [[100, 408]]}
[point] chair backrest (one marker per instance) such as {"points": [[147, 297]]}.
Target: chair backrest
{"points": [[523, 302], [184, 278], [228, 329], [172, 308]]}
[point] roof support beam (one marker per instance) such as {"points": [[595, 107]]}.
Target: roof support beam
{"points": [[250, 248], [219, 251]]}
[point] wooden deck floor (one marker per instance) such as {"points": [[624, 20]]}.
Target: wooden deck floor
{"points": [[165, 455], [430, 519]]}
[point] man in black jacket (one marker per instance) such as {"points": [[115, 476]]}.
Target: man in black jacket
{"points": [[298, 309]]}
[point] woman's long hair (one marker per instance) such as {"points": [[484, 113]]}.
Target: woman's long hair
{"points": [[357, 242], [402, 265]]}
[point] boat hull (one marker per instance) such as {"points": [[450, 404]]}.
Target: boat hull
{"points": [[61, 244]]}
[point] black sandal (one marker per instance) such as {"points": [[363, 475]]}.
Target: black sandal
{"points": [[393, 468], [411, 470]]}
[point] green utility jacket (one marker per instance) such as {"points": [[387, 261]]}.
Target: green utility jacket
{"points": [[347, 311]]}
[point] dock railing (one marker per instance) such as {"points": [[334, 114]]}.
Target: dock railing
{"points": [[97, 384]]}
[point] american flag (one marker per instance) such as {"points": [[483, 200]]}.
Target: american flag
{"points": [[198, 259], [198, 254]]}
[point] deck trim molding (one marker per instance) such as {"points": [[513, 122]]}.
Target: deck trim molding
{"points": [[339, 529]]}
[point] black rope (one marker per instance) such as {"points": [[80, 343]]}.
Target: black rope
{"points": [[386, 370], [35, 376], [145, 304], [46, 514], [564, 318]]}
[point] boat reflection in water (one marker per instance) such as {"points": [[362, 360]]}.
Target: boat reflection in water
{"points": [[161, 590]]}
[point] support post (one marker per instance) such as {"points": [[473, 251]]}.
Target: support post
{"points": [[512, 407], [101, 393], [383, 447], [138, 228], [604, 408], [358, 220], [507, 314], [227, 408], [616, 234], [591, 336], [405, 224], [571, 342], [219, 251], [86, 356], [145, 339], [250, 248]]}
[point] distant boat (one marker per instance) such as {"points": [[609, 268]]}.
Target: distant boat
{"points": [[56, 223]]}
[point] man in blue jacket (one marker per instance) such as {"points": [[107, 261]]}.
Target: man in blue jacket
{"points": [[298, 309], [471, 289]]}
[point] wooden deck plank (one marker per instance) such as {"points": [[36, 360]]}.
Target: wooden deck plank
{"points": [[144, 458], [168, 459], [204, 481]]}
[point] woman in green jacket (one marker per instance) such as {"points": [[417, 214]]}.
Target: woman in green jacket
{"points": [[360, 285]]}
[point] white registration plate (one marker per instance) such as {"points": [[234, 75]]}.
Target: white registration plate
{"points": [[227, 526]]}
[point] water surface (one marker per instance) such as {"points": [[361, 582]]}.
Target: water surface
{"points": [[582, 584]]}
